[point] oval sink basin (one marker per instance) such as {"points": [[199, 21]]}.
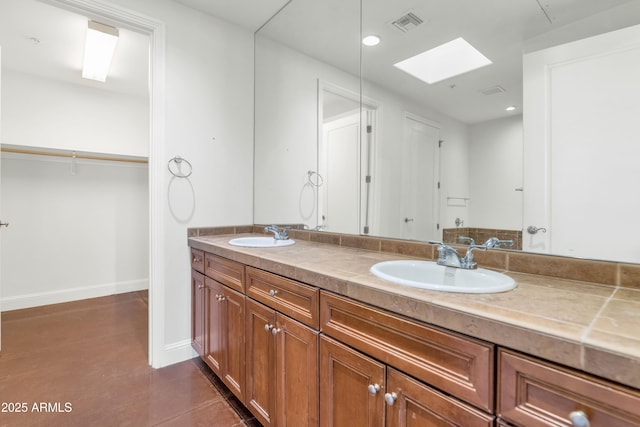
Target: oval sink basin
{"points": [[260, 242], [430, 275]]}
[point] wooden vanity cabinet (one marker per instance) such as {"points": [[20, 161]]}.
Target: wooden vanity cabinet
{"points": [[535, 393], [359, 391], [458, 365], [282, 368]]}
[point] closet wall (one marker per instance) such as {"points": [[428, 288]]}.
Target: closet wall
{"points": [[78, 228]]}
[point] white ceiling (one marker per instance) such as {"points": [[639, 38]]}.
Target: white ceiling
{"points": [[498, 28]]}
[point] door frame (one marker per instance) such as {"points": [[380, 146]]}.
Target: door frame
{"points": [[156, 30]]}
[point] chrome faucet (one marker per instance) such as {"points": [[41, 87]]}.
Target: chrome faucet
{"points": [[494, 242], [449, 257], [278, 233], [467, 239]]}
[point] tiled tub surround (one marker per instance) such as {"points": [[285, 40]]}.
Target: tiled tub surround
{"points": [[583, 314]]}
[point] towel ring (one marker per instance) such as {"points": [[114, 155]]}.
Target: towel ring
{"points": [[178, 172], [315, 176]]}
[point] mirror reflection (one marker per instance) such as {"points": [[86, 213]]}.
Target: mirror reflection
{"points": [[347, 142]]}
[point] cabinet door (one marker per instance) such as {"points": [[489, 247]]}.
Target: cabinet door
{"points": [[214, 327], [345, 398], [225, 335], [233, 336], [413, 404], [261, 362], [297, 373], [198, 307]]}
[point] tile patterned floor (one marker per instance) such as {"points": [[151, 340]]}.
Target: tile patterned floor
{"points": [[84, 363]]}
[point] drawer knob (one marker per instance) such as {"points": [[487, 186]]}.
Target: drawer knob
{"points": [[374, 388], [196, 260], [579, 419], [273, 292], [390, 398]]}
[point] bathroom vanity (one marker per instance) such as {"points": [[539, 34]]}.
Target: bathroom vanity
{"points": [[305, 335]]}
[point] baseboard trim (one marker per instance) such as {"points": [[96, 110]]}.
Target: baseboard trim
{"points": [[72, 294], [176, 352]]}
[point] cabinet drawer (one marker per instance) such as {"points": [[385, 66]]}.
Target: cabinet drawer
{"points": [[197, 260], [458, 365], [225, 271], [296, 300], [535, 393]]}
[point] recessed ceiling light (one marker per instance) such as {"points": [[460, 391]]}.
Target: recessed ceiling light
{"points": [[371, 40], [443, 62], [511, 108]]}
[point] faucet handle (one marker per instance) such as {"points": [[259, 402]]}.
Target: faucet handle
{"points": [[467, 239]]}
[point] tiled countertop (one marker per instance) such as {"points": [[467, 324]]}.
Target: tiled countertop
{"points": [[591, 327]]}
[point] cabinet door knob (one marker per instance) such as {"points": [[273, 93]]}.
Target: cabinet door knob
{"points": [[374, 388], [273, 292], [390, 398], [579, 419], [276, 331], [220, 298], [268, 327], [200, 286], [196, 260]]}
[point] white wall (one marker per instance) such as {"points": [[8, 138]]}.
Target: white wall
{"points": [[495, 163], [209, 94], [52, 114], [72, 235]]}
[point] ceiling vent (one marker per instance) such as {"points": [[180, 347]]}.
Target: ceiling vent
{"points": [[407, 22], [493, 90]]}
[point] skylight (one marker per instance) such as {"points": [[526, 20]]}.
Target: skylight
{"points": [[443, 62]]}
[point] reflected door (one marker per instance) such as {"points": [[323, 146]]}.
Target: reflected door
{"points": [[340, 167], [420, 179], [587, 155]]}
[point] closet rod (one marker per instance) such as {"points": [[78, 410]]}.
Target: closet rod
{"points": [[71, 155]]}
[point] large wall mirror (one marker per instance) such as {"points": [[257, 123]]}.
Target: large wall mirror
{"points": [[538, 145]]}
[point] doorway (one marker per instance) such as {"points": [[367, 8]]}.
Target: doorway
{"points": [[155, 30], [420, 178]]}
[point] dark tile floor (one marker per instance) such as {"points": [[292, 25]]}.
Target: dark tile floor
{"points": [[85, 363]]}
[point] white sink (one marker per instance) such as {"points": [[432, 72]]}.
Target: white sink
{"points": [[430, 275], [260, 242]]}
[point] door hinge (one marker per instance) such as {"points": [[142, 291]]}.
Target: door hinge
{"points": [[367, 179], [440, 143], [369, 129], [438, 185], [437, 226]]}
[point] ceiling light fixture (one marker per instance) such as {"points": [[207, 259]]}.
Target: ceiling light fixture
{"points": [[99, 47], [511, 108], [443, 62], [371, 40]]}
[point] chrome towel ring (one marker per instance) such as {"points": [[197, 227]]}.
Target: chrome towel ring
{"points": [[177, 170]]}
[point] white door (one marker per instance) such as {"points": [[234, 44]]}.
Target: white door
{"points": [[339, 201], [420, 172], [587, 155]]}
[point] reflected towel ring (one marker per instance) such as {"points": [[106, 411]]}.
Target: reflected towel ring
{"points": [[178, 173], [318, 178]]}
